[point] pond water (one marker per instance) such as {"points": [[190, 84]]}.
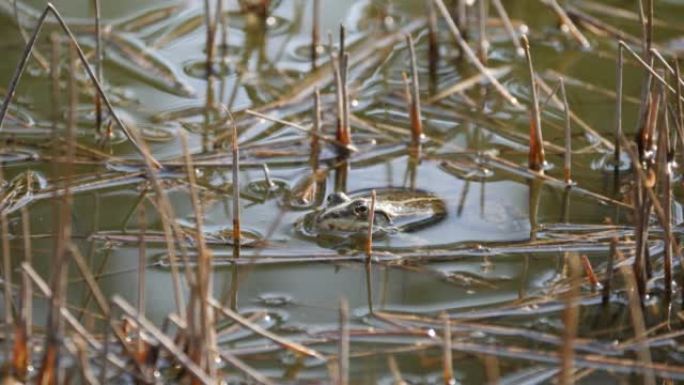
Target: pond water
{"points": [[494, 264]]}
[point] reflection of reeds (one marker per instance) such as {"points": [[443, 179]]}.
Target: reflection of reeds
{"points": [[343, 344], [447, 355]]}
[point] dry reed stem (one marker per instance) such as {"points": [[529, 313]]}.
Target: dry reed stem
{"points": [[89, 278], [589, 271], [394, 369], [318, 133], [567, 158], [536, 159], [471, 55], [163, 340], [567, 21], [570, 319], [618, 106], [236, 191], [638, 322], [501, 10], [6, 275], [415, 110], [664, 155], [290, 345], [201, 333], [98, 65]]}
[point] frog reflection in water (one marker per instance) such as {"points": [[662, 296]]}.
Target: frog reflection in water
{"points": [[395, 210]]}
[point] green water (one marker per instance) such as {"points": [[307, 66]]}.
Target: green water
{"points": [[481, 263]]}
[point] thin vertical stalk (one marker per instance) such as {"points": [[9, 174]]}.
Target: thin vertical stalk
{"points": [[236, 192], [618, 106], [536, 155], [27, 286], [98, 65], [415, 111], [142, 257], [570, 319], [567, 159]]}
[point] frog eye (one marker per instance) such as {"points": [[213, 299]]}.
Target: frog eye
{"points": [[361, 209]]}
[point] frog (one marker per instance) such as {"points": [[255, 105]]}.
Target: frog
{"points": [[20, 190], [396, 210]]}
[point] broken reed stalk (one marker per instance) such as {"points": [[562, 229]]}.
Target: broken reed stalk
{"points": [[536, 159], [447, 355], [98, 65], [343, 344], [567, 159], [28, 52], [570, 319], [618, 106], [501, 10], [371, 220], [315, 32], [589, 271], [236, 192], [415, 111], [465, 48]]}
